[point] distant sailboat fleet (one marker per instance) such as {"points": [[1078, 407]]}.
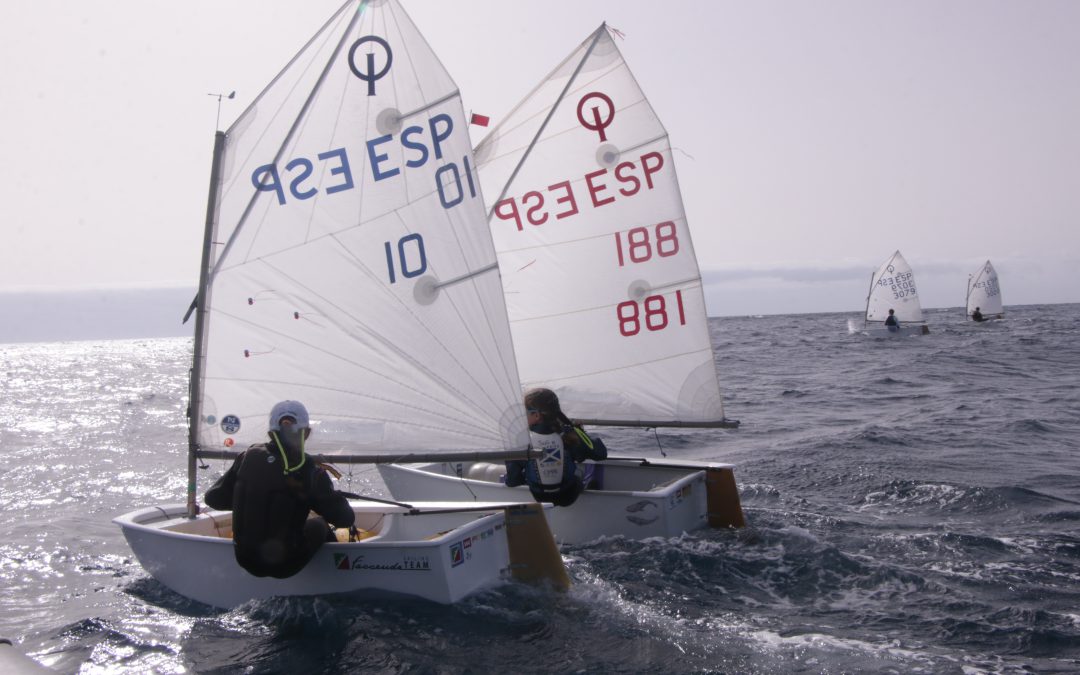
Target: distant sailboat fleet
{"points": [[893, 308]]}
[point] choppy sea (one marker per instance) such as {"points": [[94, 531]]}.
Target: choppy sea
{"points": [[914, 507]]}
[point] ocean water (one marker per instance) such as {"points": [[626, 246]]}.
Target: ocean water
{"points": [[914, 507]]}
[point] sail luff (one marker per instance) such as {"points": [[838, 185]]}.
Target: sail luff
{"points": [[255, 102], [869, 294], [292, 129], [497, 129]]}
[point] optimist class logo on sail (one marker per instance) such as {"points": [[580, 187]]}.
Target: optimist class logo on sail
{"points": [[292, 179]]}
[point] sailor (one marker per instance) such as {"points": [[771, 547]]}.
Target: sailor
{"points": [[271, 489], [977, 315], [557, 475], [891, 323]]}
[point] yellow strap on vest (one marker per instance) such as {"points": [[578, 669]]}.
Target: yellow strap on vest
{"points": [[284, 458], [584, 437]]}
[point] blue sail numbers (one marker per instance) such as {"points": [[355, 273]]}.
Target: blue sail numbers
{"points": [[419, 144]]}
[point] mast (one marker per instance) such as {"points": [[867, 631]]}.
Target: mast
{"points": [[869, 292], [195, 385], [967, 299]]}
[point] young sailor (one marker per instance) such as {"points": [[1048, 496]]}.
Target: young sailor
{"points": [[271, 488], [557, 475], [891, 323]]}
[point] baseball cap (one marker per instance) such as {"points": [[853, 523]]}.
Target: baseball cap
{"points": [[293, 409]]}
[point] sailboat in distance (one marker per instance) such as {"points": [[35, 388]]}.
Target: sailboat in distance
{"points": [[604, 296], [348, 264], [984, 294], [892, 289]]}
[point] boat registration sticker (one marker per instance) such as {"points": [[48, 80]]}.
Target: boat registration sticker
{"points": [[457, 555], [680, 495], [230, 424]]}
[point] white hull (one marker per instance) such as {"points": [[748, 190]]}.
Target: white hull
{"points": [[441, 557], [637, 498], [901, 331]]}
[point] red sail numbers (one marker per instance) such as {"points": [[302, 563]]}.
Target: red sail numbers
{"points": [[598, 188]]}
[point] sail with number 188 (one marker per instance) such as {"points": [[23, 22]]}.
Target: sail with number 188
{"points": [[605, 301], [602, 284]]}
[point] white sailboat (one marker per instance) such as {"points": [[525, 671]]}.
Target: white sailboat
{"points": [[984, 293], [604, 295], [892, 287], [348, 264]]}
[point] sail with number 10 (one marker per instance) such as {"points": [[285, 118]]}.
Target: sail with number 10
{"points": [[348, 265], [604, 296]]}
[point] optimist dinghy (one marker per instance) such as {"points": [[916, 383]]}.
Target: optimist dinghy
{"points": [[984, 294], [348, 263], [605, 299], [892, 286]]}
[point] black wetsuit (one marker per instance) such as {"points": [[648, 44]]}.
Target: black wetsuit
{"points": [[272, 534]]}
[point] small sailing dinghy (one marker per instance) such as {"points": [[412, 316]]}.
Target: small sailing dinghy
{"points": [[348, 263], [605, 299], [892, 287], [984, 294]]}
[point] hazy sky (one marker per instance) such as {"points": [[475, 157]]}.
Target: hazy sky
{"points": [[812, 138]]}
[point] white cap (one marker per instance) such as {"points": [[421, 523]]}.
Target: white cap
{"points": [[293, 409]]}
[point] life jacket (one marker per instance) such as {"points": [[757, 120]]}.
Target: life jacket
{"points": [[550, 468], [269, 505]]}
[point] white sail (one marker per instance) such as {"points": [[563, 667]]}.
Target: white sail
{"points": [[602, 284], [352, 267], [984, 292], [893, 287]]}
